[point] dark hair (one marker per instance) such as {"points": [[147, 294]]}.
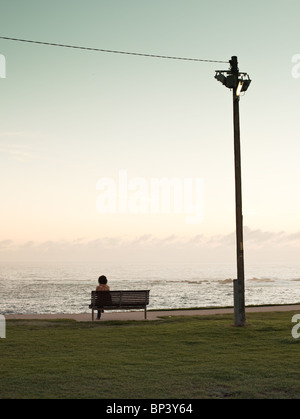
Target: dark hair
{"points": [[102, 279]]}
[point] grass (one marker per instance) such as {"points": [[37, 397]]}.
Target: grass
{"points": [[179, 357]]}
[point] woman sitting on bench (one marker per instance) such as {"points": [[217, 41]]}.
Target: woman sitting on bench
{"points": [[102, 287]]}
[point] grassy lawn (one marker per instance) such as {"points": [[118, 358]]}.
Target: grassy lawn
{"points": [[182, 357]]}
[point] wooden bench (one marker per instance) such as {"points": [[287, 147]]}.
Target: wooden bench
{"points": [[119, 300]]}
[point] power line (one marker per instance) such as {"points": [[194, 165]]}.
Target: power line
{"points": [[112, 51]]}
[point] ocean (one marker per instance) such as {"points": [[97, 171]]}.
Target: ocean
{"points": [[66, 287]]}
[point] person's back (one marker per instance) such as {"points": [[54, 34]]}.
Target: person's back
{"points": [[102, 287]]}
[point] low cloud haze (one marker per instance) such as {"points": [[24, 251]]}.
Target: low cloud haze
{"points": [[260, 246]]}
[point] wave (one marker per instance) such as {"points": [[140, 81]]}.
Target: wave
{"points": [[261, 279]]}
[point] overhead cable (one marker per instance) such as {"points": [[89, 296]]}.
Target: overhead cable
{"points": [[111, 51]]}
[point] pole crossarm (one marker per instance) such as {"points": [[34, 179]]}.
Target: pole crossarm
{"points": [[232, 79]]}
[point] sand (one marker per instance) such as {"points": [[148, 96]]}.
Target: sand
{"points": [[151, 315]]}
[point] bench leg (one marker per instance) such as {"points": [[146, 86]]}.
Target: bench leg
{"points": [[92, 314], [145, 313]]}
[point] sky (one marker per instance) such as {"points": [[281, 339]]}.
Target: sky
{"points": [[84, 135]]}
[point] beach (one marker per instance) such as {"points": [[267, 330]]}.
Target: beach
{"points": [[151, 315]]}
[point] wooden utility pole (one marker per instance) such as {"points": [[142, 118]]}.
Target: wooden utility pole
{"points": [[239, 283]]}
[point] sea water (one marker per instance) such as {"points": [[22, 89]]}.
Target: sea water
{"points": [[66, 288]]}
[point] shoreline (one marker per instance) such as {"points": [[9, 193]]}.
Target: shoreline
{"points": [[151, 314]]}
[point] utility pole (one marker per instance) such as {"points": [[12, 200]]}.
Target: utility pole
{"points": [[239, 283], [238, 82]]}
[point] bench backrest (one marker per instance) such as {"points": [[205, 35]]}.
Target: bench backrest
{"points": [[128, 298]]}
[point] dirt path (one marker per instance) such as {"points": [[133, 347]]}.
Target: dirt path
{"points": [[151, 315]]}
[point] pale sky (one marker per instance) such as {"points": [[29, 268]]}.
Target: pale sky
{"points": [[71, 117]]}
